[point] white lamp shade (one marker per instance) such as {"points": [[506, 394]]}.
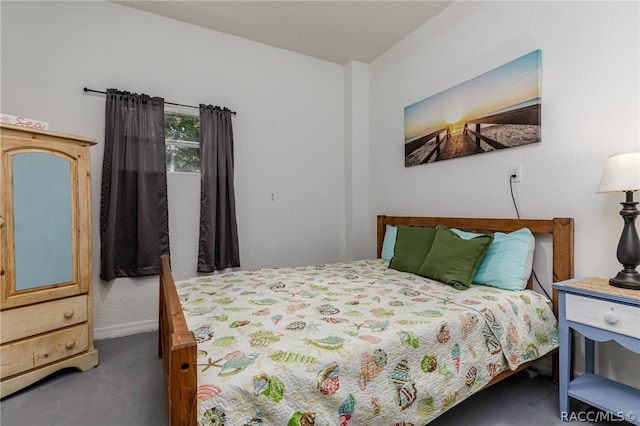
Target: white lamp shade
{"points": [[622, 173]]}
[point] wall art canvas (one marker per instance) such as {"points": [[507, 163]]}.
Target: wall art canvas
{"points": [[496, 110]]}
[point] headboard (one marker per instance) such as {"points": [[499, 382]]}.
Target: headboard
{"points": [[560, 229]]}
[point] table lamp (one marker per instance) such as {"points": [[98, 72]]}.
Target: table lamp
{"points": [[622, 174]]}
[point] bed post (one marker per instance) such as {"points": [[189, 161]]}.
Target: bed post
{"points": [[380, 234], [562, 249], [183, 378], [563, 229], [177, 346]]}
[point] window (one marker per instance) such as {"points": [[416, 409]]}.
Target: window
{"points": [[182, 142]]}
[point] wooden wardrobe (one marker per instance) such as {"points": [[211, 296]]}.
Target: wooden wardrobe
{"points": [[45, 256]]}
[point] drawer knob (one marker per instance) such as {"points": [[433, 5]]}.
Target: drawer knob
{"points": [[70, 344], [611, 317], [69, 313]]}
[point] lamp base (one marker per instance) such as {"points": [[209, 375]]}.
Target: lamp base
{"points": [[629, 247], [626, 279]]}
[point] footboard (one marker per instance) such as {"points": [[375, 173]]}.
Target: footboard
{"points": [[177, 347]]}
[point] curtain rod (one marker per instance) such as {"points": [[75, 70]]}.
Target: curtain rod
{"points": [[86, 90]]}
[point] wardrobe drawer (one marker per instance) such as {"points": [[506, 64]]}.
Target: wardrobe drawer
{"points": [[603, 314], [27, 354], [28, 321]]}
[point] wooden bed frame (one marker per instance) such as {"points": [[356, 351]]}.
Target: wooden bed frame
{"points": [[177, 345]]}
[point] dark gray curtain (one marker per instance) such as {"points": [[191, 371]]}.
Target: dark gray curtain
{"points": [[134, 218], [218, 247]]}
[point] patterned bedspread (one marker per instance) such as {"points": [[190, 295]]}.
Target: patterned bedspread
{"points": [[352, 343]]}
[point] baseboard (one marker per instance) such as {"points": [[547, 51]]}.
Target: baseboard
{"points": [[124, 329]]}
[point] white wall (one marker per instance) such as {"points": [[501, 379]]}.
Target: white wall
{"points": [[289, 130], [590, 110]]}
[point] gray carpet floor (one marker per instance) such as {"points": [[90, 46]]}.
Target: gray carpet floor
{"points": [[126, 389]]}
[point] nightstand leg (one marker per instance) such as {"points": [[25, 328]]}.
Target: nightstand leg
{"points": [[589, 355], [565, 365]]}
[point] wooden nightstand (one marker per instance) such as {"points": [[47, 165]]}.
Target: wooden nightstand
{"points": [[600, 313]]}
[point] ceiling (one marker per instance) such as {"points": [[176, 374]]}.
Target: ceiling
{"points": [[335, 31]]}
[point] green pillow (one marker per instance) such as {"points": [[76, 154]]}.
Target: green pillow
{"points": [[454, 260], [412, 246]]}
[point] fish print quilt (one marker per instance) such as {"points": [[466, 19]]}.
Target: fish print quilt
{"points": [[353, 343]]}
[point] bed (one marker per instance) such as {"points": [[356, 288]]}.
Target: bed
{"points": [[355, 342]]}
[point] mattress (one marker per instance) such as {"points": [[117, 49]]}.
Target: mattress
{"points": [[352, 343]]}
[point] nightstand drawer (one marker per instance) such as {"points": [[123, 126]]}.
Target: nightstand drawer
{"points": [[24, 355], [42, 317], [605, 315]]}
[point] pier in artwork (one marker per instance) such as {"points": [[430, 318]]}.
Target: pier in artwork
{"points": [[501, 130]]}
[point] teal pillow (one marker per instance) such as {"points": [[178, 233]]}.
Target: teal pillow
{"points": [[389, 242], [412, 246], [454, 260], [508, 262]]}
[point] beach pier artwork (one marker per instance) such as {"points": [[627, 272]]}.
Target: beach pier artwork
{"points": [[496, 110]]}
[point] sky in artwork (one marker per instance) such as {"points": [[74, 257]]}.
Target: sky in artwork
{"points": [[508, 85]]}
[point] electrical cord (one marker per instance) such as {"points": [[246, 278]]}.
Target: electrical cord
{"points": [[511, 178], [515, 205]]}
